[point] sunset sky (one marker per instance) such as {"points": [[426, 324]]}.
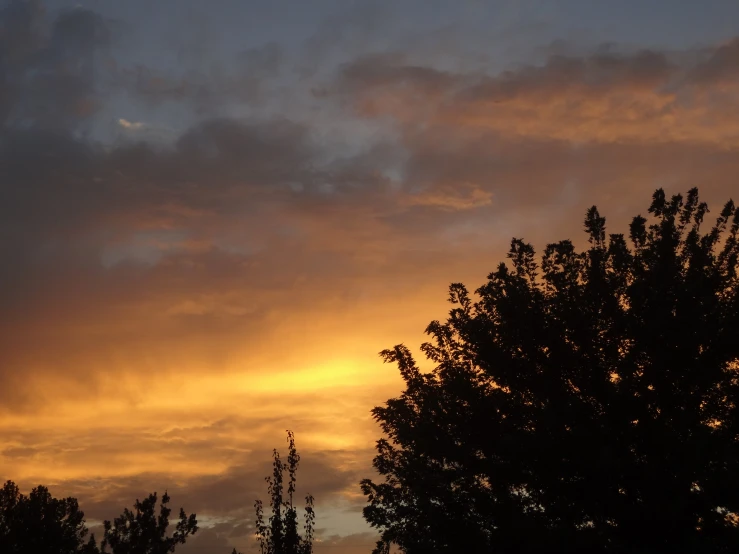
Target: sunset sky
{"points": [[214, 215]]}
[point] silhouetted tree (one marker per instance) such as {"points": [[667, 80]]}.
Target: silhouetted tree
{"points": [[280, 535], [142, 531], [41, 524], [585, 405]]}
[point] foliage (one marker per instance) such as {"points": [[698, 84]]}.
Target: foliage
{"points": [[41, 524], [142, 531], [587, 404], [280, 535]]}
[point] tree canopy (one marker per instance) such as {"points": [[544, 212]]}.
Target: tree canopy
{"points": [[142, 531], [41, 524], [586, 403]]}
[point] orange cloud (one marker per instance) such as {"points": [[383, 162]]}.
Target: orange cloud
{"points": [[647, 97]]}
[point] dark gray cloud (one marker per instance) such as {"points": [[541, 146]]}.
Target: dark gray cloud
{"points": [[48, 67], [605, 70], [719, 65]]}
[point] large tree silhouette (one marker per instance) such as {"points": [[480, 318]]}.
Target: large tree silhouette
{"points": [[586, 404]]}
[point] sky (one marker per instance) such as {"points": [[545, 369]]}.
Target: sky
{"points": [[214, 215]]}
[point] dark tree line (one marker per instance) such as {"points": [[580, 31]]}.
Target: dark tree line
{"points": [[586, 402], [38, 523]]}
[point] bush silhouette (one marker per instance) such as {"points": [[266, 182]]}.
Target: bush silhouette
{"points": [[280, 534]]}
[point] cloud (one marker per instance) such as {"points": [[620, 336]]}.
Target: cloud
{"points": [[49, 70], [642, 97], [130, 124], [717, 66], [456, 196]]}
